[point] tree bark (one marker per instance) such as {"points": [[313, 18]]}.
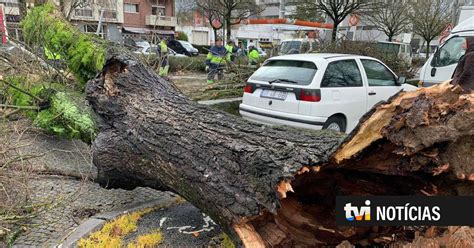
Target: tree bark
{"points": [[276, 186], [334, 32]]}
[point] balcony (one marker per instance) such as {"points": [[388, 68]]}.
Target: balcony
{"points": [[165, 21]]}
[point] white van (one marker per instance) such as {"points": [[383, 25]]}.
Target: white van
{"points": [[402, 50], [441, 65], [296, 46]]}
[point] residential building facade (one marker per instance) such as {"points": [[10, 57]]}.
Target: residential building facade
{"points": [[145, 18], [108, 14]]}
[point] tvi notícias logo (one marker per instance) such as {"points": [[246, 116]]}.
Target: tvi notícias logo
{"points": [[358, 214], [392, 213]]}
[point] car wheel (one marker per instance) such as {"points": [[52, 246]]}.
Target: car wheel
{"points": [[335, 123]]}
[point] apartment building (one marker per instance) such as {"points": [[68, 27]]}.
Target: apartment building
{"points": [[108, 14], [147, 18], [278, 8]]}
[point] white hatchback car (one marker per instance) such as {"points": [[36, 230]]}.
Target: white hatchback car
{"points": [[328, 91]]}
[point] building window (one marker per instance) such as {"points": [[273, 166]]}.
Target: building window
{"points": [[9, 3], [92, 29], [158, 10], [110, 14], [83, 12], [130, 7]]}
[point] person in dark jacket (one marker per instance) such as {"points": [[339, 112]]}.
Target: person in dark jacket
{"points": [[464, 73], [216, 60]]}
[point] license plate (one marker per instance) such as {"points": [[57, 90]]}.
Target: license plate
{"points": [[275, 94]]}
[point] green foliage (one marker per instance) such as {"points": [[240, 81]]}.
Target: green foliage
{"points": [[67, 116], [85, 55], [17, 98], [182, 36]]}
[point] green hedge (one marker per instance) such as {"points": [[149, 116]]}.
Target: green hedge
{"points": [[195, 64], [371, 50]]}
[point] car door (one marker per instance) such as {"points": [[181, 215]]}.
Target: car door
{"points": [[381, 82], [444, 61], [342, 92]]}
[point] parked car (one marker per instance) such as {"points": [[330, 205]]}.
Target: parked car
{"points": [[328, 91], [441, 65], [154, 50], [402, 50], [183, 47], [296, 46]]}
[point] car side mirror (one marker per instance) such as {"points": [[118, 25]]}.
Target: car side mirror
{"points": [[401, 80]]}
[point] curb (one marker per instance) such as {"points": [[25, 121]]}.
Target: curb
{"points": [[225, 100], [95, 222]]}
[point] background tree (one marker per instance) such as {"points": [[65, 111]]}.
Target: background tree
{"points": [[338, 10], [211, 10], [228, 12], [306, 10], [391, 17], [185, 12], [233, 11], [430, 18]]}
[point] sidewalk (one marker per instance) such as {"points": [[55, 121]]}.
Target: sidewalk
{"points": [[58, 179]]}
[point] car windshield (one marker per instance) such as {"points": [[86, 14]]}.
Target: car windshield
{"points": [[186, 44], [389, 47], [301, 72], [290, 46]]}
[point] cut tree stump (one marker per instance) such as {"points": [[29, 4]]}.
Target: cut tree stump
{"points": [[277, 186]]}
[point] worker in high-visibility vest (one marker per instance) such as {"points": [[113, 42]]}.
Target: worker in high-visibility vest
{"points": [[254, 56], [216, 60], [231, 50], [164, 65]]}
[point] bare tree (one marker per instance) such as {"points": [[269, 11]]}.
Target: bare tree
{"points": [[234, 11], [306, 10], [231, 12], [185, 12], [338, 10], [391, 17], [67, 7], [429, 18], [211, 10]]}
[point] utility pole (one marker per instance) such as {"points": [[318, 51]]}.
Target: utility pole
{"points": [[282, 9]]}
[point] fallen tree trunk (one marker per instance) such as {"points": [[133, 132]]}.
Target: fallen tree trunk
{"points": [[276, 186]]}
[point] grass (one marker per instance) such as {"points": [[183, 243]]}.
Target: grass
{"points": [[147, 240], [112, 233], [219, 94], [229, 107], [226, 241]]}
